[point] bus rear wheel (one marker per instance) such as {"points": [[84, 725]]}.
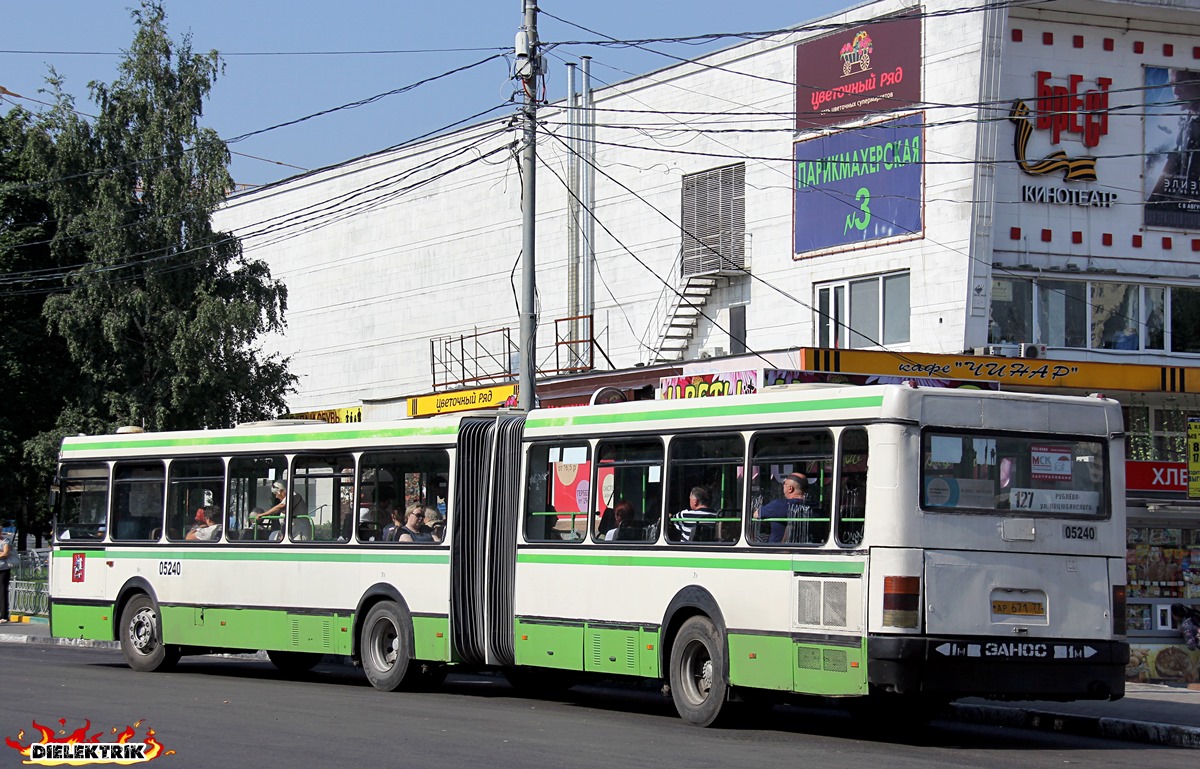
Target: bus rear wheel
{"points": [[293, 662], [384, 646], [141, 637], [697, 672]]}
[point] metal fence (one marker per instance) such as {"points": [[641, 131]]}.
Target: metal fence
{"points": [[28, 586]]}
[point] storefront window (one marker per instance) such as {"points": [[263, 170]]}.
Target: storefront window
{"points": [[1159, 564], [1139, 443], [1170, 435], [1162, 565]]}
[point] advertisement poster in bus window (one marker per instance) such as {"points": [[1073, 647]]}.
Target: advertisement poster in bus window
{"points": [[1050, 463], [572, 484], [859, 185]]}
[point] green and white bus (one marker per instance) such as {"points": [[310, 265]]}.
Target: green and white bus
{"points": [[895, 543]]}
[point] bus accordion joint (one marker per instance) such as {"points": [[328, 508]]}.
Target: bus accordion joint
{"points": [[1118, 609], [901, 601]]}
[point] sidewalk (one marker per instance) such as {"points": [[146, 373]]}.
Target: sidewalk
{"points": [[1152, 713]]}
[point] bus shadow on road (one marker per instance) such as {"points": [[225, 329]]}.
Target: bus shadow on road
{"points": [[815, 716]]}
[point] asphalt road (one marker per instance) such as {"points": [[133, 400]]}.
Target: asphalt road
{"points": [[224, 712]]}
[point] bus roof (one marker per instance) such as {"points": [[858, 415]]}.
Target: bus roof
{"points": [[962, 408]]}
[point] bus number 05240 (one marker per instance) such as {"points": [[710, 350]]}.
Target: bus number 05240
{"points": [[1079, 532], [170, 568]]}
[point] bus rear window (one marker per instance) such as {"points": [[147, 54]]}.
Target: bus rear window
{"points": [[1031, 475]]}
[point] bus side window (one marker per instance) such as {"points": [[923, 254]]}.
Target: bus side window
{"points": [[319, 484], [629, 473], [83, 514], [192, 485], [803, 520], [392, 481], [711, 465], [557, 487], [852, 491], [249, 495], [138, 500]]}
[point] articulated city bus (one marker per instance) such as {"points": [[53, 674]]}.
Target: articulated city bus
{"points": [[898, 544]]}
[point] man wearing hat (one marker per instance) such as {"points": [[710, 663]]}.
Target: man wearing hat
{"points": [[793, 509]]}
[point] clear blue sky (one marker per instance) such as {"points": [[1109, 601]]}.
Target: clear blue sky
{"points": [[81, 39]]}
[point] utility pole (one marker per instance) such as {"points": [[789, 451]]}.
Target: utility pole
{"points": [[529, 68]]}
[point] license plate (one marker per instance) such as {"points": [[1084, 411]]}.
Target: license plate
{"points": [[1019, 608]]}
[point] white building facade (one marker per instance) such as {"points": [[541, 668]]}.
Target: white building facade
{"points": [[917, 178]]}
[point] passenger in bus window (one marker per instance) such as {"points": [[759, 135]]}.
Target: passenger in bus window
{"points": [[211, 530], [391, 532], [779, 513], [272, 518], [691, 526], [436, 523], [414, 529], [197, 522], [623, 528]]}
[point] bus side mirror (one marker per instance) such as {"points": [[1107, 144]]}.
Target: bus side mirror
{"points": [[52, 498]]}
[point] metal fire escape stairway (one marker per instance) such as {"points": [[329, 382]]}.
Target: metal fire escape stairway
{"points": [[683, 318]]}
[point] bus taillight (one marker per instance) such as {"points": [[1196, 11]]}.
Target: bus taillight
{"points": [[901, 601], [1118, 609]]}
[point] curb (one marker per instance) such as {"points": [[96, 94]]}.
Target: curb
{"points": [[1172, 735], [22, 638]]}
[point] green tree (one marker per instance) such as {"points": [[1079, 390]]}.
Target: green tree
{"points": [[163, 319], [32, 360]]}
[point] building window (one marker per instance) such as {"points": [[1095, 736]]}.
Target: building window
{"points": [[714, 221], [1097, 315], [1155, 433], [1012, 311], [1185, 320], [865, 312], [1062, 314]]}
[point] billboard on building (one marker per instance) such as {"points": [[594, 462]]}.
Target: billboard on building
{"points": [[333, 416], [1172, 139], [864, 69], [859, 185], [708, 385]]}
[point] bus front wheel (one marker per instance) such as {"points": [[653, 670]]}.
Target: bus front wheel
{"points": [[697, 678], [141, 637], [384, 646]]}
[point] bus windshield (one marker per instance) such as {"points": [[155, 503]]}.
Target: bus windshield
{"points": [[1036, 475]]}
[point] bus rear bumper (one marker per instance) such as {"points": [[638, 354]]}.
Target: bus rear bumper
{"points": [[998, 668]]}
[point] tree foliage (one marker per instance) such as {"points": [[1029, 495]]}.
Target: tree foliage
{"points": [[163, 318], [32, 360], [158, 318]]}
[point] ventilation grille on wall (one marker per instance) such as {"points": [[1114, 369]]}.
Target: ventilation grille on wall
{"points": [[714, 221], [821, 603]]}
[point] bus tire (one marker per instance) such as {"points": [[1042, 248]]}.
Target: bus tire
{"points": [[141, 637], [697, 677], [384, 646], [293, 662]]}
